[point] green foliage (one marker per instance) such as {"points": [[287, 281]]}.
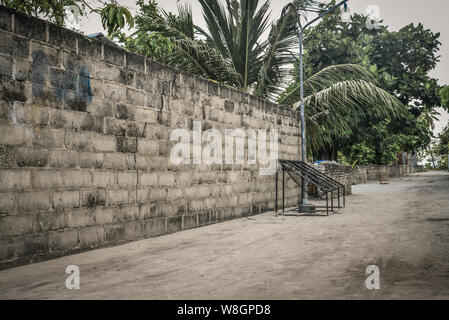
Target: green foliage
{"points": [[399, 62], [443, 144], [444, 93], [49, 9], [232, 49], [362, 155], [152, 45], [113, 16]]}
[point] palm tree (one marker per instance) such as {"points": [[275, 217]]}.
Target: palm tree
{"points": [[337, 98], [232, 49], [429, 116]]}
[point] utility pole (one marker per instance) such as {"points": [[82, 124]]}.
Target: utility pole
{"points": [[304, 205]]}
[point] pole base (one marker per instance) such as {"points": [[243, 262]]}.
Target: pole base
{"points": [[306, 208]]}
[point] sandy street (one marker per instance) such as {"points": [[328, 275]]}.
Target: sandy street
{"points": [[403, 228]]}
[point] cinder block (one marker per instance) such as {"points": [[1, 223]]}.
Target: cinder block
{"points": [[158, 194], [90, 160], [114, 92], [174, 224], [43, 221], [31, 245], [33, 201], [89, 141], [166, 178], [15, 135], [58, 219], [174, 194], [135, 129], [150, 147], [117, 197], [27, 157], [47, 178], [100, 107], [133, 230], [147, 179], [115, 160], [48, 138], [62, 158], [66, 199], [7, 248], [116, 127], [203, 218], [14, 179], [104, 216], [16, 225], [126, 145], [89, 48], [154, 227], [64, 240], [190, 221], [143, 195], [127, 179], [197, 205], [114, 55], [76, 178], [154, 101], [80, 217], [144, 162], [93, 198], [91, 237], [125, 112], [149, 211], [5, 20], [146, 115], [7, 203], [114, 233], [104, 179]]}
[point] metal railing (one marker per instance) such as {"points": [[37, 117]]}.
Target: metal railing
{"points": [[299, 171]]}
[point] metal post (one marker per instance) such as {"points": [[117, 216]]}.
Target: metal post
{"points": [[301, 92], [276, 201], [327, 203], [283, 190], [344, 195], [339, 198], [332, 201]]}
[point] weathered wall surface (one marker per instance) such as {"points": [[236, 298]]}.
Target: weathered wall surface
{"points": [[364, 174], [84, 145], [341, 173]]}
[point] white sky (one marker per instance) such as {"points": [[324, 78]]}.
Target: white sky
{"points": [[433, 14]]}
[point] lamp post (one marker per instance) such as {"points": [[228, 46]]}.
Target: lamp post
{"points": [[303, 205]]}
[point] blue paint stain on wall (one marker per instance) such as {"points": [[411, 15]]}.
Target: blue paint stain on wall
{"points": [[70, 88], [85, 82]]}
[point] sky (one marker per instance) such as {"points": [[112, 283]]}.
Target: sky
{"points": [[394, 13]]}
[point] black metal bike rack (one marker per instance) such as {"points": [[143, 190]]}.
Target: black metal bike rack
{"points": [[299, 170]]}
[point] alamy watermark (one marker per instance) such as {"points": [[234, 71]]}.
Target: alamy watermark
{"points": [[73, 280], [262, 147], [373, 280]]}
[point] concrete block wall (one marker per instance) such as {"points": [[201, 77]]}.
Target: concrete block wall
{"points": [[364, 174], [340, 173], [84, 145]]}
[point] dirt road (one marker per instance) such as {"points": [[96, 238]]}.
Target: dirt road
{"points": [[403, 228]]}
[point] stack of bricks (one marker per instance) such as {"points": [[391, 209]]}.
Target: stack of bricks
{"points": [[85, 145]]}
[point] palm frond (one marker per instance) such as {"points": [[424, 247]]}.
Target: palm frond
{"points": [[199, 58], [333, 111], [327, 77], [282, 40]]}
